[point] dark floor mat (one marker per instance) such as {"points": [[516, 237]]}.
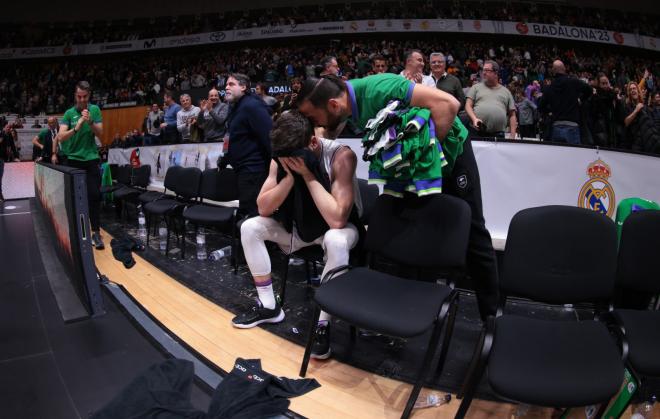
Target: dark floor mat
{"points": [[32, 388], [385, 356]]}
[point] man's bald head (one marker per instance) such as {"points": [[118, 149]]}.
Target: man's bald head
{"points": [[558, 67]]}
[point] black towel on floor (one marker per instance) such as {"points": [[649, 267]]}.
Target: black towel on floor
{"points": [[161, 392], [122, 247], [250, 392]]}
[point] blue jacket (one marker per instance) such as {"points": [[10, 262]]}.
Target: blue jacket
{"points": [[170, 114], [249, 135]]}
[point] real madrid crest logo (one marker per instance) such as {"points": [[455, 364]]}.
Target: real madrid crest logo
{"points": [[597, 194]]}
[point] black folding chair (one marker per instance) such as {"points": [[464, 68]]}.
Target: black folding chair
{"points": [[139, 180], [555, 255], [428, 232], [639, 271], [170, 178], [186, 187], [220, 187]]}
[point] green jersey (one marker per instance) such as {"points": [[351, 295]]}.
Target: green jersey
{"points": [[82, 145], [369, 95], [627, 207], [41, 137]]}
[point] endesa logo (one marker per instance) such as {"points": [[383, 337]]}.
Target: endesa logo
{"points": [[217, 36]]}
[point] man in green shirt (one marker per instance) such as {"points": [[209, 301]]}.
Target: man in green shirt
{"points": [[80, 125], [330, 101], [43, 142]]}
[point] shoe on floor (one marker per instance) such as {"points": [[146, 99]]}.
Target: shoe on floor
{"points": [[257, 315], [321, 345], [97, 242]]}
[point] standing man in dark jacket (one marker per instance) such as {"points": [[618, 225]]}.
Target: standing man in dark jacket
{"points": [[561, 103], [249, 150], [8, 152]]}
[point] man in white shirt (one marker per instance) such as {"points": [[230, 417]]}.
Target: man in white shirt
{"points": [[186, 119], [414, 70]]}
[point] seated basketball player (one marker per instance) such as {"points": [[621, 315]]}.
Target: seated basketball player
{"points": [[310, 197]]}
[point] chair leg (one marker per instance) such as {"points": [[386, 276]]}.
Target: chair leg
{"points": [[167, 241], [310, 339], [285, 278], [449, 329], [421, 375], [148, 220], [307, 273], [475, 372]]}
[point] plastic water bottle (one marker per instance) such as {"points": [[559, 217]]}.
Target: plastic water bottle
{"points": [[432, 400], [644, 410], [220, 253], [201, 244], [162, 236], [142, 229]]}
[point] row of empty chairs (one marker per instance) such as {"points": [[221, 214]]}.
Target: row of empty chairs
{"points": [[554, 255]]}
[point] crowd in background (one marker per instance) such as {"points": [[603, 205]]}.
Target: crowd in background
{"points": [[44, 86], [55, 34]]}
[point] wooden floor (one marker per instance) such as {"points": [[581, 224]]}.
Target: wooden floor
{"points": [[345, 392]]}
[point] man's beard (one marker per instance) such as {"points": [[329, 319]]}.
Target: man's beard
{"points": [[334, 121]]}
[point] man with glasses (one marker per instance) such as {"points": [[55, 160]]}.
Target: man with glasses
{"points": [[490, 105], [443, 80]]}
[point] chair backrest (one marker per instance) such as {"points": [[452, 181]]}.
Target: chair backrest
{"points": [[186, 184], [369, 194], [219, 185], [560, 255], [113, 171], [638, 266], [124, 175], [141, 176], [171, 175], [425, 232]]}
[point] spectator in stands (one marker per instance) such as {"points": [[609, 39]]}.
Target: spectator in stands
{"points": [[290, 100], [294, 144], [330, 101], [249, 150], [329, 66], [116, 141], [490, 106], [379, 64], [213, 117], [36, 124], [262, 92], [526, 115], [641, 131], [414, 70], [605, 114], [152, 131], [655, 105], [169, 124], [560, 105], [186, 119], [80, 125], [42, 143], [443, 80]]}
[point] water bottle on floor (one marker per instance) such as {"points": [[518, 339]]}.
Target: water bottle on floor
{"points": [[201, 244], [142, 229], [220, 253], [432, 400], [162, 236]]}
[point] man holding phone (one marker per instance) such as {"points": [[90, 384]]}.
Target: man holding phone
{"points": [[80, 125], [490, 105]]}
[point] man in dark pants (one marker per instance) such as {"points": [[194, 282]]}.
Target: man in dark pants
{"points": [[249, 150], [330, 101], [80, 124], [8, 152]]}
